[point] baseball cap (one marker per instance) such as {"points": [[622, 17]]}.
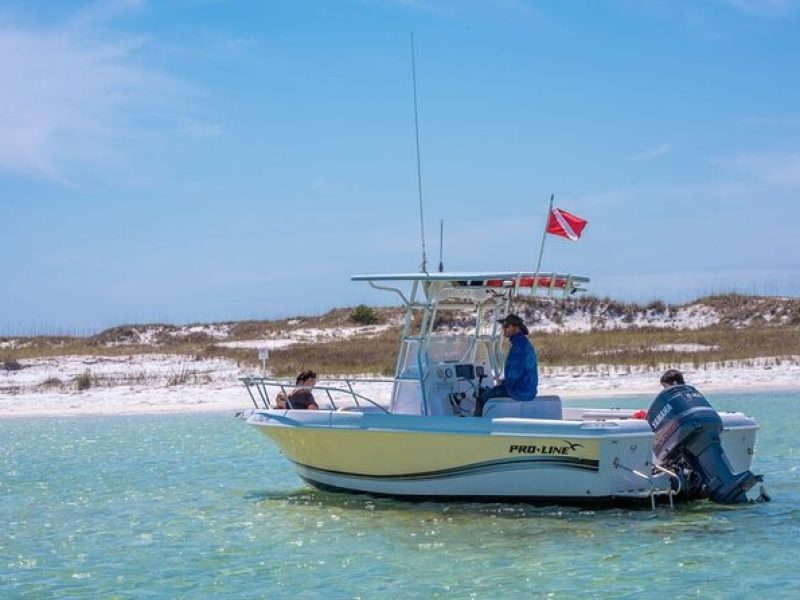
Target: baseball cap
{"points": [[514, 320]]}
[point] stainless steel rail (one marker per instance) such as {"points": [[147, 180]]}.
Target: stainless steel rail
{"points": [[262, 384]]}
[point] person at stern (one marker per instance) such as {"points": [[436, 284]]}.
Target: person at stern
{"points": [[521, 372]]}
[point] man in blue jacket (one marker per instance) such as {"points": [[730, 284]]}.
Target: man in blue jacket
{"points": [[521, 371]]}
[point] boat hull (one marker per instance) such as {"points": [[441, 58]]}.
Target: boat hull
{"points": [[446, 457]]}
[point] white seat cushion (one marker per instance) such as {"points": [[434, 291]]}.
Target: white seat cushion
{"points": [[541, 407]]}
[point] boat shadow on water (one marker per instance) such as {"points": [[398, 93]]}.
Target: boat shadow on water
{"points": [[693, 520], [308, 497]]}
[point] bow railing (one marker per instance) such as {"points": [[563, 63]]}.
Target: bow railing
{"points": [[259, 390]]}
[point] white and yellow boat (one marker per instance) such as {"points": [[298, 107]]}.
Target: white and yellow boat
{"points": [[424, 443]]}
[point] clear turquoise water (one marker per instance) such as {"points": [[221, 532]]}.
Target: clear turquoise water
{"points": [[201, 505]]}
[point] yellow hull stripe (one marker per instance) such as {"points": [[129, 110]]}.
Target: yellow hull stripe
{"points": [[395, 454]]}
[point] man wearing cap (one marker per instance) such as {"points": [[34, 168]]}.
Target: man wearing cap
{"points": [[521, 371]]}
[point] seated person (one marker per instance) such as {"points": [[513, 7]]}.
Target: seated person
{"points": [[301, 397], [521, 370]]}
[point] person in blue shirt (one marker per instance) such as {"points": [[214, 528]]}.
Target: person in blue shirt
{"points": [[521, 372]]}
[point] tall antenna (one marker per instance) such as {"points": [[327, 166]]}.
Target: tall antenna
{"points": [[423, 266], [441, 244]]}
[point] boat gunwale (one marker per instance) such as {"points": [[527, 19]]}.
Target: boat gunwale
{"points": [[520, 426]]}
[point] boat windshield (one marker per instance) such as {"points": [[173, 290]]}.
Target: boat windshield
{"points": [[441, 349], [433, 364]]}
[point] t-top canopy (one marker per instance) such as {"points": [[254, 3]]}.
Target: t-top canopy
{"points": [[493, 279]]}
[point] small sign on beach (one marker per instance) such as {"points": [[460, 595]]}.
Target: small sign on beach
{"points": [[263, 355]]}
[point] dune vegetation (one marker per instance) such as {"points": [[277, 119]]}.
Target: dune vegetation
{"points": [[586, 331]]}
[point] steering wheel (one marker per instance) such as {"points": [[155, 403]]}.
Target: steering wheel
{"points": [[463, 396]]}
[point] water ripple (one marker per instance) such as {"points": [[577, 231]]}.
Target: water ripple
{"points": [[185, 506]]}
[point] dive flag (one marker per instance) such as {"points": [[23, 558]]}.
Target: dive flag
{"points": [[565, 224]]}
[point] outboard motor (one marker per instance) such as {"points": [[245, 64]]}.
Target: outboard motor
{"points": [[687, 432]]}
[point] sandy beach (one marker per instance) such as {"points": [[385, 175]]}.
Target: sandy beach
{"points": [[142, 384]]}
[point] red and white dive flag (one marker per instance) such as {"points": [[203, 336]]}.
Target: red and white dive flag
{"points": [[565, 224]]}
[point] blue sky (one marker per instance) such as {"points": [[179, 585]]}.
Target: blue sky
{"points": [[198, 160]]}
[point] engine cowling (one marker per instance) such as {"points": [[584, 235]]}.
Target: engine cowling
{"points": [[687, 429]]}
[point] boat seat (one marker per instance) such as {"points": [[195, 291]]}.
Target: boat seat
{"points": [[541, 407]]}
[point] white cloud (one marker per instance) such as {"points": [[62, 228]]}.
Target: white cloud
{"points": [[778, 121], [71, 96], [452, 8], [200, 130], [653, 152], [102, 11], [764, 7], [773, 169]]}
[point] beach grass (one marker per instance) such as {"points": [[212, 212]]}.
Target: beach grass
{"points": [[651, 346], [647, 347], [618, 348], [750, 328]]}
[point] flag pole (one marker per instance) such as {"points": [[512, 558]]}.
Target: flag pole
{"points": [[541, 249]]}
